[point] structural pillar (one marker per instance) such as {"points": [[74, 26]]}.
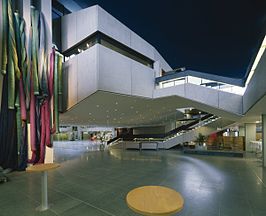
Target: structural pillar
{"points": [[263, 116], [250, 135]]}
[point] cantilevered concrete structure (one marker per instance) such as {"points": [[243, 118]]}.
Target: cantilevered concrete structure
{"points": [[114, 77]]}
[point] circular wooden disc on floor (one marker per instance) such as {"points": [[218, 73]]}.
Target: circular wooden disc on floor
{"points": [[154, 200], [42, 167]]}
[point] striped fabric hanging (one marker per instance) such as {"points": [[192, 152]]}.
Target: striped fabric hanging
{"points": [[32, 83], [13, 69], [34, 50], [4, 37]]}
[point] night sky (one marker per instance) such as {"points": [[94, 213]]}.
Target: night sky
{"points": [[219, 37]]}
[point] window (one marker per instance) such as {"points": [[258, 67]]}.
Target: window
{"points": [[110, 43]]}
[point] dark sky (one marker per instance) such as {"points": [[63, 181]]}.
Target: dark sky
{"points": [[214, 36]]}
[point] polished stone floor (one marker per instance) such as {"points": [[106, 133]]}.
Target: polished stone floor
{"points": [[95, 183]]}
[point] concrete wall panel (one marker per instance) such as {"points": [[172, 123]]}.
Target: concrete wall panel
{"points": [[230, 102], [87, 21], [87, 73], [178, 90], [256, 88], [112, 27], [68, 30], [201, 94], [114, 71], [142, 80], [142, 46]]}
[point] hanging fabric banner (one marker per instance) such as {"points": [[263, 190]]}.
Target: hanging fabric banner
{"points": [[31, 84]]}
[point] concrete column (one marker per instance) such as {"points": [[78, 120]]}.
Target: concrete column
{"points": [[264, 139], [157, 68], [241, 131], [250, 135]]}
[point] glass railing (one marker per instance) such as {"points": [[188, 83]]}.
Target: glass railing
{"points": [[203, 82]]}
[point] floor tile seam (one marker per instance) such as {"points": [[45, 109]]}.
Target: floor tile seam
{"points": [[86, 203], [250, 208], [37, 202], [256, 175]]}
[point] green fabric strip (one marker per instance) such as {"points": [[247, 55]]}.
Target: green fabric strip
{"points": [[43, 57], [18, 119], [12, 40], [59, 69], [4, 37], [17, 35], [34, 52], [56, 99], [24, 61], [11, 83]]}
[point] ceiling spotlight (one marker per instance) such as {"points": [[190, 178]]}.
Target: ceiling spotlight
{"points": [[116, 103], [97, 105]]}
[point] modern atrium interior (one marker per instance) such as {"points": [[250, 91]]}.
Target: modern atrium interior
{"points": [[126, 108]]}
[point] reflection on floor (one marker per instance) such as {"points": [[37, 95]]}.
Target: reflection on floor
{"points": [[67, 150], [95, 183]]}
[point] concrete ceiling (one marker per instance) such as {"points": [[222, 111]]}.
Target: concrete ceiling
{"points": [[110, 109]]}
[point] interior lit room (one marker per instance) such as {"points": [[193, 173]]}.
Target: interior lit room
{"points": [[123, 108]]}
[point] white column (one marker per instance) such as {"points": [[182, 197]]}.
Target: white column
{"points": [[44, 198], [241, 131], [157, 68], [250, 135], [264, 139]]}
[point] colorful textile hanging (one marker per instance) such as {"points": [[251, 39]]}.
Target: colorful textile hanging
{"points": [[31, 84]]}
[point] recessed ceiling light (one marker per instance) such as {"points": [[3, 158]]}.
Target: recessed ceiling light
{"points": [[89, 113], [97, 105], [116, 103], [115, 110], [107, 111], [137, 111], [131, 107]]}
